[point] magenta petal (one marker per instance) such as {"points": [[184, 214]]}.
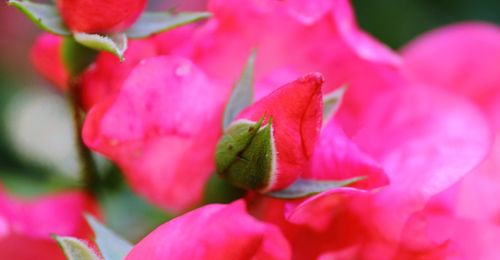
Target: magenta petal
{"points": [[318, 211], [26, 225], [309, 11], [213, 232], [464, 58], [336, 157], [161, 128], [364, 45], [426, 140]]}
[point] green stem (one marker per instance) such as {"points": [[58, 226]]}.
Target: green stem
{"points": [[88, 169]]}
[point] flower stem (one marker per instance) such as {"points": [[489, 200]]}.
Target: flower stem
{"points": [[88, 169]]}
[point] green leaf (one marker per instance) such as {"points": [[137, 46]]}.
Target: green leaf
{"points": [[155, 22], [45, 16], [75, 56], [332, 102], [111, 245], [304, 188], [242, 95], [115, 43], [76, 249]]}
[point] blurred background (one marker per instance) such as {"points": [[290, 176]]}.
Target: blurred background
{"points": [[36, 141]]}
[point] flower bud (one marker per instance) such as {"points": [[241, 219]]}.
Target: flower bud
{"points": [[269, 145], [90, 16], [246, 156]]}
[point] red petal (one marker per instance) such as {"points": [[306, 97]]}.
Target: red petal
{"points": [[296, 111], [100, 16]]}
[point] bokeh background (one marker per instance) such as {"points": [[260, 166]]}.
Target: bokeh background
{"points": [[36, 142]]}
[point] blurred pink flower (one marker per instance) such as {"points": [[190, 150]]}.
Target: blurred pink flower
{"points": [[213, 232], [26, 225], [464, 58]]}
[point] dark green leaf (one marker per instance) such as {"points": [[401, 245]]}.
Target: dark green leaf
{"points": [[115, 44], [155, 22], [242, 95], [303, 188], [45, 16], [112, 246]]}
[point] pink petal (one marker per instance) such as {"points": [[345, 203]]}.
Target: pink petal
{"points": [[105, 77], [296, 111], [309, 11], [332, 45], [46, 58], [26, 225], [362, 43], [426, 140], [213, 232], [336, 157], [464, 58], [161, 128]]}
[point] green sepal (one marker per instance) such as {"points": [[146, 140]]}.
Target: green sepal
{"points": [[44, 15], [218, 190], [244, 155], [112, 246], [332, 102], [115, 44], [242, 94], [76, 57], [76, 249], [303, 188], [151, 23]]}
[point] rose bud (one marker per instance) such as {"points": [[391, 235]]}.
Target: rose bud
{"points": [[90, 16], [269, 144]]}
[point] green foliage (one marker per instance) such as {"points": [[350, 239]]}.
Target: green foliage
{"points": [[115, 44], [75, 249], [45, 16], [151, 23], [303, 188], [76, 57], [242, 95]]}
